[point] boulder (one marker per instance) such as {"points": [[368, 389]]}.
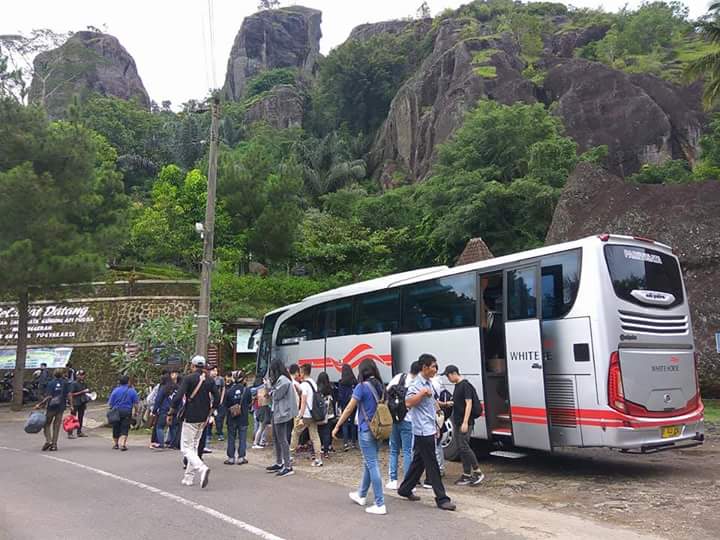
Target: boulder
{"points": [[369, 30], [564, 43], [641, 118], [281, 107], [88, 62], [276, 38], [432, 104], [683, 216]]}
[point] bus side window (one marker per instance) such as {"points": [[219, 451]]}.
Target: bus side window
{"points": [[522, 294], [378, 312], [560, 283]]}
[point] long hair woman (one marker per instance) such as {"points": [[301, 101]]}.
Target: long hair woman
{"points": [[365, 398], [325, 426], [284, 409], [347, 384], [161, 407]]}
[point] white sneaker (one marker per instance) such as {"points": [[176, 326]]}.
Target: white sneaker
{"points": [[357, 498], [378, 510], [317, 463], [186, 482], [257, 447], [392, 484]]}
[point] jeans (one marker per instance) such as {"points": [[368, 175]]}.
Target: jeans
{"points": [[189, 440], [467, 456], [325, 436], [400, 438], [369, 447], [161, 427], [349, 431], [424, 459], [235, 430], [282, 446], [220, 420]]}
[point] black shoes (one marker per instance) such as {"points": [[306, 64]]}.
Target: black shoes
{"points": [[411, 497], [447, 505], [274, 468]]}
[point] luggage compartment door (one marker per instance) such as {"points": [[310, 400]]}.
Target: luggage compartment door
{"points": [[525, 369]]}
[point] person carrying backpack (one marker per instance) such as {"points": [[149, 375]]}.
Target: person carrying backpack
{"points": [[466, 408], [401, 437], [367, 398], [311, 411], [237, 404]]}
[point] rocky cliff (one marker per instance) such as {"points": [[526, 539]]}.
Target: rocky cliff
{"points": [[88, 62], [281, 107], [278, 38], [684, 216]]}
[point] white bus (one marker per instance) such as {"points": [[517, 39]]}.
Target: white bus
{"points": [[582, 344]]}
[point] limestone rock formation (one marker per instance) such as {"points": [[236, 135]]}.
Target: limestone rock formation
{"points": [[684, 216], [431, 105], [281, 107], [641, 118], [88, 62], [564, 43], [278, 38], [369, 30]]}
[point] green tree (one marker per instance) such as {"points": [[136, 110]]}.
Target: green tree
{"points": [[268, 79], [676, 171], [708, 66], [61, 207]]}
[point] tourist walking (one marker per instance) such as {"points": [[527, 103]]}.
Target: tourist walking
{"points": [[305, 418], [284, 409], [164, 428], [466, 408], [79, 398], [238, 399], [220, 410], [263, 417], [401, 438], [422, 409], [200, 394], [123, 398], [366, 396], [326, 425], [345, 388], [56, 397]]}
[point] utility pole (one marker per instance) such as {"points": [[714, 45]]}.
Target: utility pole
{"points": [[208, 230]]}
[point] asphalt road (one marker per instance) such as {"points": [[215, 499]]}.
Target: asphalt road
{"points": [[87, 490]]}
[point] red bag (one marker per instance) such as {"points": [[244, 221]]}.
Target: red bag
{"points": [[71, 422]]}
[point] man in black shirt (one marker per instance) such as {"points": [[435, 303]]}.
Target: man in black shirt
{"points": [[201, 397], [462, 420], [79, 396]]}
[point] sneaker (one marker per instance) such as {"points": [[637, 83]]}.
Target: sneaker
{"points": [[257, 447], [355, 496], [317, 463], [204, 477], [229, 461], [392, 484], [274, 468], [221, 438], [46, 447], [71, 436], [477, 478], [53, 448], [464, 480], [346, 447], [185, 482], [285, 472], [447, 505], [377, 510], [242, 461], [207, 450], [81, 435]]}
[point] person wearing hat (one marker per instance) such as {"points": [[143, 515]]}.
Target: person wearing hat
{"points": [[463, 421], [79, 396], [201, 396]]}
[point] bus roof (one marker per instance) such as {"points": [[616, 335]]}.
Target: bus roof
{"points": [[281, 309]]}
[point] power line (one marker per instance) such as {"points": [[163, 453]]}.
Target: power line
{"points": [[211, 26], [205, 49]]}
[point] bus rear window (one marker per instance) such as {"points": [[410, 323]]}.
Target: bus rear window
{"points": [[644, 276]]}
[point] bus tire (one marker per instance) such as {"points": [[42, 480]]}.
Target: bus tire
{"points": [[449, 443]]}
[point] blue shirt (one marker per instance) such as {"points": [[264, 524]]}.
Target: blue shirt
{"points": [[367, 404], [123, 397], [55, 388], [422, 415]]}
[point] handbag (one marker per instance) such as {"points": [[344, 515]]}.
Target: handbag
{"points": [[113, 415], [235, 410], [35, 422]]}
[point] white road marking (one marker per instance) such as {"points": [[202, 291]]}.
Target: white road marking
{"points": [[195, 506]]}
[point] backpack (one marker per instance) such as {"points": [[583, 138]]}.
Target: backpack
{"points": [[382, 423], [318, 407], [477, 409], [396, 400]]}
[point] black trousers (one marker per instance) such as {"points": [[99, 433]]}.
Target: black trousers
{"points": [[80, 410], [467, 456], [424, 460]]}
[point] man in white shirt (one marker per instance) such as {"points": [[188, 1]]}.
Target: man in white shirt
{"points": [[304, 419], [401, 437]]}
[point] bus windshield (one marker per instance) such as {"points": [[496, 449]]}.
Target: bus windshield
{"points": [[644, 276], [263, 355]]}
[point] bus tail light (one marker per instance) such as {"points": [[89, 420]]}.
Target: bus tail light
{"points": [[616, 395]]}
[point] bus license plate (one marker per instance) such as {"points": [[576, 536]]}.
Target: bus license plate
{"points": [[670, 431]]}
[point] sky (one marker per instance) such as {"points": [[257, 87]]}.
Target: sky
{"points": [[170, 40]]}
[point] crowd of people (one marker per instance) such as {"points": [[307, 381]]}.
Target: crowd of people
{"points": [[296, 412]]}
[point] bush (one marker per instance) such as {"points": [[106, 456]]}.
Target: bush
{"points": [[675, 171], [268, 79]]}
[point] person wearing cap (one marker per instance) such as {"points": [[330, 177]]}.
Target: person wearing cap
{"points": [[201, 396], [79, 397], [463, 421]]}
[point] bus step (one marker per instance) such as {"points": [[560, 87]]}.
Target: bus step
{"points": [[506, 454], [503, 417], [502, 431]]}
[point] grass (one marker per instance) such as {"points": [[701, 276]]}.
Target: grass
{"points": [[712, 410], [480, 61]]}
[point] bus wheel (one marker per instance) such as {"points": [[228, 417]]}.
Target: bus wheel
{"points": [[448, 442]]}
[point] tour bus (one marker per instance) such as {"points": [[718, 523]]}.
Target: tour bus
{"points": [[582, 344]]}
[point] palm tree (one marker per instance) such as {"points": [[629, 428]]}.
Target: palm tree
{"points": [[708, 66]]}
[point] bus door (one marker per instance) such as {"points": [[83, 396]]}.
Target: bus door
{"points": [[525, 370]]}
